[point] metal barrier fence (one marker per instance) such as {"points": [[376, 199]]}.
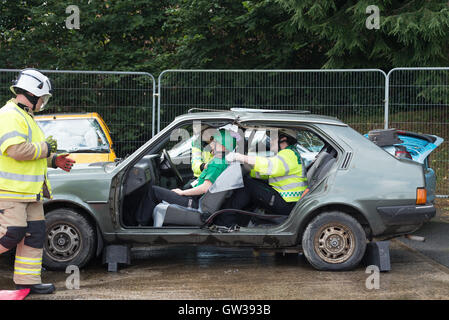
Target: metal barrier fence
{"points": [[354, 96], [125, 100], [413, 99], [418, 100]]}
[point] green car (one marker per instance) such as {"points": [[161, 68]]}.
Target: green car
{"points": [[357, 193]]}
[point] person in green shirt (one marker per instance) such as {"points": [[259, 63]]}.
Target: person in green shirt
{"points": [[223, 142]]}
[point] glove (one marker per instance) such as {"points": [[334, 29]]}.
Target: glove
{"points": [[232, 156], [61, 161], [52, 144]]}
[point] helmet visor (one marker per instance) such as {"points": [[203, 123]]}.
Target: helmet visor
{"points": [[45, 99]]}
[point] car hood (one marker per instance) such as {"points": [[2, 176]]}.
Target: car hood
{"points": [[82, 168]]}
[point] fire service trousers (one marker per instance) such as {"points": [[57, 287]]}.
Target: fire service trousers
{"points": [[22, 225]]}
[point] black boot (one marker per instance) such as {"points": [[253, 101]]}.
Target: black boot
{"points": [[41, 288]]}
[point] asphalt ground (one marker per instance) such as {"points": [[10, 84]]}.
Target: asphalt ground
{"points": [[436, 235], [418, 271]]}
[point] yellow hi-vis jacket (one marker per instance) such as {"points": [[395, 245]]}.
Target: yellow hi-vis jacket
{"points": [[21, 180], [199, 157], [284, 172]]}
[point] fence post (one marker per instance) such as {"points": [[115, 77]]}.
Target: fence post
{"points": [[418, 100], [387, 99]]}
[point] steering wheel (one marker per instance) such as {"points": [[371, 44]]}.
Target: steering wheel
{"points": [[172, 166]]}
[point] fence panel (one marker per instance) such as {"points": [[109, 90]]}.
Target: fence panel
{"points": [[419, 102], [125, 100], [354, 96]]}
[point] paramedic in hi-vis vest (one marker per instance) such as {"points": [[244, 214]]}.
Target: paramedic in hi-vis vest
{"points": [[284, 173], [24, 157]]}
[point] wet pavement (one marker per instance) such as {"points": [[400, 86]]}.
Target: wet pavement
{"points": [[436, 235], [418, 271], [221, 273]]}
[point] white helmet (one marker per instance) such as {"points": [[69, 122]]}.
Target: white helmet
{"points": [[32, 81]]}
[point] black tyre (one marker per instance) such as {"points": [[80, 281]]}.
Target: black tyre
{"points": [[70, 240], [334, 241]]}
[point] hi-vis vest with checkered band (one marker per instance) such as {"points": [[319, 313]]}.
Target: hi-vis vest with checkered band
{"points": [[284, 172], [21, 180]]}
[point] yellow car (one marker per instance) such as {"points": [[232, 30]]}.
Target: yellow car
{"points": [[84, 135]]}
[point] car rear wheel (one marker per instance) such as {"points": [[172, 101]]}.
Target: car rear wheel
{"points": [[70, 240], [334, 241]]}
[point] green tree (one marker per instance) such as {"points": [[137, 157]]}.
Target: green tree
{"points": [[214, 34], [411, 33], [113, 35]]}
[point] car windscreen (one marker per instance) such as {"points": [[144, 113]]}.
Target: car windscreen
{"points": [[76, 135]]}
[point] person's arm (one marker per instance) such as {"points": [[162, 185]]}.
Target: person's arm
{"points": [[251, 160], [28, 151], [14, 140], [197, 191], [265, 166]]}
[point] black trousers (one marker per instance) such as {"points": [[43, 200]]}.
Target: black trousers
{"points": [[255, 193], [260, 193], [156, 195]]}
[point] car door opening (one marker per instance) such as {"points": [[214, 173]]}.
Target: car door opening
{"points": [[171, 167]]}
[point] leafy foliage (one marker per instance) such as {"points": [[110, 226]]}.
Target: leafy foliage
{"points": [[411, 33]]}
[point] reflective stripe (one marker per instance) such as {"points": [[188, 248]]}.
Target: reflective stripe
{"points": [[303, 172], [270, 167], [37, 271], [31, 259], [287, 168], [282, 178], [292, 185], [39, 152], [28, 261], [22, 177], [18, 196], [35, 151], [10, 135], [24, 271]]}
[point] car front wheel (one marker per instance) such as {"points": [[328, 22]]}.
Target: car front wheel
{"points": [[334, 241], [70, 239]]}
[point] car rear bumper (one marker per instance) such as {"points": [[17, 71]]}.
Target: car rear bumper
{"points": [[406, 215]]}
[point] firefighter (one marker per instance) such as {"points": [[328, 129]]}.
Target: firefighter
{"points": [[284, 173], [24, 157]]}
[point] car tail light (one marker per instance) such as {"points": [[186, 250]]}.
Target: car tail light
{"points": [[402, 153], [421, 196]]}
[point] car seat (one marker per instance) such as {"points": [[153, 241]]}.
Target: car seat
{"points": [[321, 166], [172, 214]]}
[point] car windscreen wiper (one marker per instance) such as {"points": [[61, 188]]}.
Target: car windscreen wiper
{"points": [[89, 150]]}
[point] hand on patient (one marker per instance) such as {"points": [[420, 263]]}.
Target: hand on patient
{"points": [[233, 156]]}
